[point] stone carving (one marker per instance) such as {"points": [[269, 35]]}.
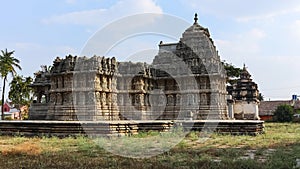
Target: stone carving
{"points": [[203, 99], [53, 98], [103, 99], [142, 99], [59, 98], [178, 99], [98, 82], [98, 97], [114, 99], [91, 97], [104, 83], [245, 97]]}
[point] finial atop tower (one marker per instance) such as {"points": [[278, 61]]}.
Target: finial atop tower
{"points": [[244, 68], [196, 18]]}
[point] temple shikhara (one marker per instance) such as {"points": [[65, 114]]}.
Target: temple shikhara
{"points": [[186, 80]]}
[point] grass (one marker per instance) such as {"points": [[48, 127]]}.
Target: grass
{"points": [[279, 147]]}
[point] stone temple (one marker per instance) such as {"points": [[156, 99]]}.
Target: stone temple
{"points": [[244, 102], [186, 80]]}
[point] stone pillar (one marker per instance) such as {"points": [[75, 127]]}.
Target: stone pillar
{"points": [[256, 115], [230, 103]]}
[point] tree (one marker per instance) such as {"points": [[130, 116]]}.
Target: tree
{"points": [[232, 72], [20, 92], [284, 113], [7, 66], [260, 97]]}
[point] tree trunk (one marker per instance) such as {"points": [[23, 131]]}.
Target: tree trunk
{"points": [[3, 91]]}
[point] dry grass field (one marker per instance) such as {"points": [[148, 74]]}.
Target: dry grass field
{"points": [[279, 147]]}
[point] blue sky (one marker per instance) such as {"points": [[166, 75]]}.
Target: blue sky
{"points": [[265, 35]]}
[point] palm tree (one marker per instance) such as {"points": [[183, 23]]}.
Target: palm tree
{"points": [[7, 66]]}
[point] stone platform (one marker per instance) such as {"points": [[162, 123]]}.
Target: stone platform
{"points": [[126, 127]]}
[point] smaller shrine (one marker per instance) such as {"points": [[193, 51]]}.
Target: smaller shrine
{"points": [[243, 98], [41, 88]]}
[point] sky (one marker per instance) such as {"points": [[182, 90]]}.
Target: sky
{"points": [[265, 35]]}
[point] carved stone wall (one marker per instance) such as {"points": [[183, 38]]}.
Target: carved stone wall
{"points": [[41, 87], [185, 81]]}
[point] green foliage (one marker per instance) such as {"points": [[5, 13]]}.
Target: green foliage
{"points": [[8, 118], [8, 64], [20, 92], [284, 113], [232, 72], [260, 97]]}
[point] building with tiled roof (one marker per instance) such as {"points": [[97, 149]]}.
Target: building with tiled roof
{"points": [[267, 108]]}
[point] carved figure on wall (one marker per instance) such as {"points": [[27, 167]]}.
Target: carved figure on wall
{"points": [[103, 98], [136, 100], [98, 97], [141, 97], [97, 82], [170, 100], [104, 83], [114, 99], [114, 83], [65, 98], [214, 98], [59, 98], [203, 99], [108, 98], [91, 97], [162, 100], [120, 99], [81, 97], [67, 82], [178, 99]]}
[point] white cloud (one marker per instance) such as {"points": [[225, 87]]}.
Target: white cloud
{"points": [[32, 55], [101, 16], [295, 28], [271, 57], [254, 34], [270, 16], [245, 11], [241, 45]]}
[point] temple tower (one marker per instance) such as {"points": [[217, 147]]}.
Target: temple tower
{"points": [[185, 81], [245, 97], [193, 67]]}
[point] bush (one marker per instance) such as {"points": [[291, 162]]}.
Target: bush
{"points": [[284, 113], [8, 118]]}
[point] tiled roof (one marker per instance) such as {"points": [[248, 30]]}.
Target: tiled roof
{"points": [[268, 107]]}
